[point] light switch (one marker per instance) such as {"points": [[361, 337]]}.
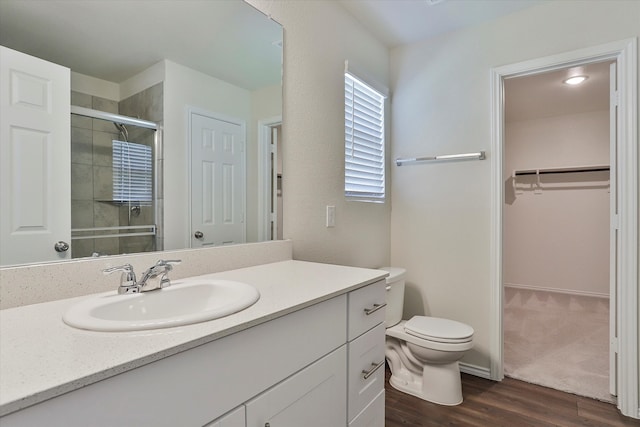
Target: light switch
{"points": [[331, 216]]}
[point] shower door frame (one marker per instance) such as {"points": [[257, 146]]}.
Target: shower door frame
{"points": [[157, 158]]}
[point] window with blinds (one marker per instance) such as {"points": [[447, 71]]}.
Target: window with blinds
{"points": [[132, 173], [364, 171]]}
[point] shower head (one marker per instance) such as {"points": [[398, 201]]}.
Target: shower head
{"points": [[123, 131]]}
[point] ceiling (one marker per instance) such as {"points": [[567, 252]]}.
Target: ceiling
{"points": [[397, 22], [545, 95], [116, 39]]}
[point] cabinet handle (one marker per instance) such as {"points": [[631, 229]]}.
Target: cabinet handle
{"points": [[375, 308], [374, 367]]}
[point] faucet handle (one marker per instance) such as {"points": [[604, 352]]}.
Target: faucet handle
{"points": [[126, 269], [127, 278], [160, 269], [168, 264]]}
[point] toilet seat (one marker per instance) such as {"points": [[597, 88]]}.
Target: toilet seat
{"points": [[438, 330]]}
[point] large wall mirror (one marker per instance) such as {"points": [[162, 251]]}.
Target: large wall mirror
{"points": [[206, 74]]}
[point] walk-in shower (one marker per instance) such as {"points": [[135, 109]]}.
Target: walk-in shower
{"points": [[114, 184]]}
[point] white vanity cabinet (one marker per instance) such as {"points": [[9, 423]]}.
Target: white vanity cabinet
{"points": [[199, 385], [304, 368]]}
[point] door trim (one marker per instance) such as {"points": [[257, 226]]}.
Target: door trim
{"points": [[191, 110], [264, 175], [624, 53]]}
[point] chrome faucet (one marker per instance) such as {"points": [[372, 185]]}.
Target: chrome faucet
{"points": [[154, 278]]}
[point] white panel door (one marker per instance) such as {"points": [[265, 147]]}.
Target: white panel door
{"points": [[35, 156], [217, 182]]}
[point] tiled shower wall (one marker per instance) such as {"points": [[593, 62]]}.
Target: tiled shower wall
{"points": [[91, 173]]}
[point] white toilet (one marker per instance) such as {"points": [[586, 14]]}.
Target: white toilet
{"points": [[423, 352]]}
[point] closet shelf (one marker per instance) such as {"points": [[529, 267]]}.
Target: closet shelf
{"points": [[568, 169]]}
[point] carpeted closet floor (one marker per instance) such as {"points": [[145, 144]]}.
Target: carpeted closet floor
{"points": [[558, 340]]}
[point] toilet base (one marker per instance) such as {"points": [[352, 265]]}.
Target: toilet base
{"points": [[439, 383]]}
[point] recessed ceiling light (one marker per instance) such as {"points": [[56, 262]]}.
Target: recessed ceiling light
{"points": [[575, 80]]}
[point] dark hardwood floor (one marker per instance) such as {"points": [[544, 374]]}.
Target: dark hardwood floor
{"points": [[508, 403]]}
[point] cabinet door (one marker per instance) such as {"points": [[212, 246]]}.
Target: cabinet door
{"points": [[35, 159], [234, 418], [314, 397], [366, 369]]}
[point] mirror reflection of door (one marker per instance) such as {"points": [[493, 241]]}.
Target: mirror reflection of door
{"points": [[217, 181], [35, 182], [276, 182]]}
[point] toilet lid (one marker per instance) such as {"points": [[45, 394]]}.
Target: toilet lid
{"points": [[437, 329]]}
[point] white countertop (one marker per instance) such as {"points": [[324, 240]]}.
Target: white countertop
{"points": [[41, 357]]}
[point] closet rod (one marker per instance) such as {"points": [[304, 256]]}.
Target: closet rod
{"points": [[543, 171], [447, 157]]}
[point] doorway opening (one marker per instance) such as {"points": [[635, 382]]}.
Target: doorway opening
{"points": [[623, 338], [270, 177], [556, 217]]}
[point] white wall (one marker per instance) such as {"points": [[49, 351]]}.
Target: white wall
{"points": [[319, 36], [184, 87], [114, 91], [558, 238], [94, 86], [440, 224]]}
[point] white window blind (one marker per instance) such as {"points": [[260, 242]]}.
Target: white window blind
{"points": [[132, 173], [364, 169]]}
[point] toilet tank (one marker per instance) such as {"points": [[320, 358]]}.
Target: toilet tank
{"points": [[395, 295]]}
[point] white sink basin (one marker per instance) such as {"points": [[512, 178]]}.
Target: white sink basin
{"points": [[183, 303]]}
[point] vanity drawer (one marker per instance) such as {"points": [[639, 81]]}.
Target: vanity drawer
{"points": [[366, 308], [372, 415], [366, 369]]}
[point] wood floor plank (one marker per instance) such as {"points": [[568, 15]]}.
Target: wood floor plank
{"points": [[509, 403], [600, 412]]}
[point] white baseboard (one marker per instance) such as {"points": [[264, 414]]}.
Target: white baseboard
{"points": [[558, 291], [477, 371]]}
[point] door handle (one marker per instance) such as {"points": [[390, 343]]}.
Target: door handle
{"points": [[61, 246], [198, 235]]}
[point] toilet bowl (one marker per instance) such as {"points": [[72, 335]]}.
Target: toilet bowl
{"points": [[423, 352]]}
